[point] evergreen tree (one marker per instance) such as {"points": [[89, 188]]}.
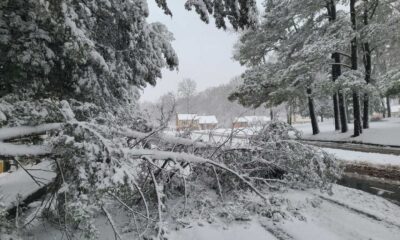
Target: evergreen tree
{"points": [[290, 32]]}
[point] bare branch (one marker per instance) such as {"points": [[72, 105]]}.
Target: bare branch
{"points": [[344, 54], [110, 220], [184, 157], [30, 175], [159, 203]]}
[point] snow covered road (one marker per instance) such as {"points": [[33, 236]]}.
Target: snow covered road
{"points": [[19, 183], [347, 215]]}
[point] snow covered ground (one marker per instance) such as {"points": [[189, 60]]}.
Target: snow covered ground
{"points": [[363, 157], [385, 132], [348, 214]]}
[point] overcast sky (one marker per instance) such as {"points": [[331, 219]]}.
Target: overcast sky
{"points": [[205, 52]]}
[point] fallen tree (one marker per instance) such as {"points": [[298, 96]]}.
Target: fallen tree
{"points": [[98, 170]]}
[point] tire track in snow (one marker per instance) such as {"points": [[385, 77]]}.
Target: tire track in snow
{"points": [[358, 211], [279, 233]]}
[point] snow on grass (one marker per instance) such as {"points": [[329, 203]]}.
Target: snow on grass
{"points": [[364, 157]]}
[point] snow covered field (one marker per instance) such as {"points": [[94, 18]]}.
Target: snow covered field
{"points": [[385, 132]]}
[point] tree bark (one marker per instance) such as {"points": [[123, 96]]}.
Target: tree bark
{"points": [[368, 68], [389, 110], [313, 117], [354, 66]]}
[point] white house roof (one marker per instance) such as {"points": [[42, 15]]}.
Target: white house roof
{"points": [[252, 119], [207, 119], [187, 117]]}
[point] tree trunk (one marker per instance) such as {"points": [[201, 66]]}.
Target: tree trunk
{"points": [[343, 113], [336, 111], [368, 68], [339, 108], [384, 109], [322, 118], [314, 122], [389, 110], [271, 114], [357, 114], [354, 66], [366, 111]]}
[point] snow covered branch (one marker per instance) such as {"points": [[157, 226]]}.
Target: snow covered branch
{"points": [[22, 131], [157, 137], [184, 157], [14, 150]]}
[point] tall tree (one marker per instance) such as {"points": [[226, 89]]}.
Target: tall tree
{"points": [[339, 107], [290, 75], [354, 66], [367, 64], [186, 90]]}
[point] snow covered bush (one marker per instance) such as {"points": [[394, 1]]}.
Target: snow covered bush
{"points": [[303, 165]]}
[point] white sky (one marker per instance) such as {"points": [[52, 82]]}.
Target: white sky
{"points": [[204, 52]]}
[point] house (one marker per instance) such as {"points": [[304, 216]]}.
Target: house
{"points": [[250, 121], [300, 119], [4, 166], [187, 122], [195, 122], [207, 122]]}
